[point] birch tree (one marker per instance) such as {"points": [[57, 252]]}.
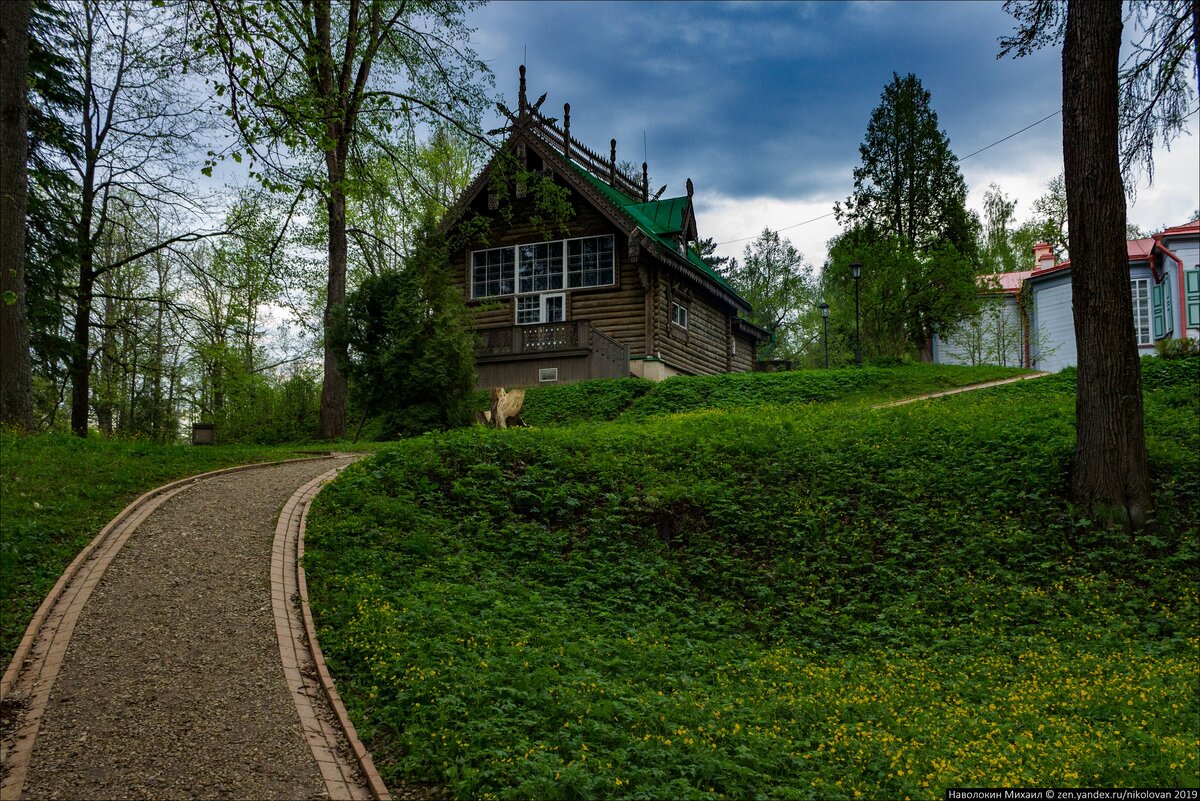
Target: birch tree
{"points": [[309, 82], [136, 127]]}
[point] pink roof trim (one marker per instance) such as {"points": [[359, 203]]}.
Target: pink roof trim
{"points": [[1192, 227], [1010, 283], [1135, 249]]}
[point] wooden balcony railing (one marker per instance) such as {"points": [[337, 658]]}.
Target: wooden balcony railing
{"points": [[530, 340]]}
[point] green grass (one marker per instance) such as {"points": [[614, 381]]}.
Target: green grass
{"points": [[638, 399], [798, 601], [57, 491]]}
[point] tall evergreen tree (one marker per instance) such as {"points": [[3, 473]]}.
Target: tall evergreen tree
{"points": [[910, 194], [909, 185]]}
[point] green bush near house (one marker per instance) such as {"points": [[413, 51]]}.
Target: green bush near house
{"points": [[799, 600]]}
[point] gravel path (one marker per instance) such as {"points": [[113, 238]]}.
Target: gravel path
{"points": [[172, 685]]}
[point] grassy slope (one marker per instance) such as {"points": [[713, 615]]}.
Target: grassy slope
{"points": [[57, 491], [796, 601], [639, 399]]}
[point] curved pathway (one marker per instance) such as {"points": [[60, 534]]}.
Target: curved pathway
{"points": [[158, 672]]}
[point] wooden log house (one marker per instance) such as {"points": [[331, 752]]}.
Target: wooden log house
{"points": [[621, 292]]}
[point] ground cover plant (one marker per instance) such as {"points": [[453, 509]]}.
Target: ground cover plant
{"points": [[637, 398], [822, 600], [57, 491]]}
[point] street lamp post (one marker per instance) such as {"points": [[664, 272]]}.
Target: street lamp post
{"points": [[825, 321], [856, 268]]}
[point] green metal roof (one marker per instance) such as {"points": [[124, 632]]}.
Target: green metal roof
{"points": [[664, 216], [657, 220]]}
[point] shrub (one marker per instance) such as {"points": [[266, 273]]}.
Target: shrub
{"points": [[1177, 348], [411, 356]]}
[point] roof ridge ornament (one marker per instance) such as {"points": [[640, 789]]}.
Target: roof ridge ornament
{"points": [[567, 130]]}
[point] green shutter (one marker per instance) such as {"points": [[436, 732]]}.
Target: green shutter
{"points": [[1191, 282], [1156, 300], [1168, 307]]}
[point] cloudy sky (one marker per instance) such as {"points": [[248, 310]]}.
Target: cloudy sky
{"points": [[764, 104]]}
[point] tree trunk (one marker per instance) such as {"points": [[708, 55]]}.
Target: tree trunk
{"points": [[1109, 474], [80, 359], [333, 389], [16, 376]]}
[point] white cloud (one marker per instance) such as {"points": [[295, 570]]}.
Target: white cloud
{"points": [[728, 218]]}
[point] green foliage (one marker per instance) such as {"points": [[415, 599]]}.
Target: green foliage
{"points": [[684, 394], [908, 224], [909, 186], [904, 295], [1177, 348], [263, 409], [1182, 372], [780, 286], [411, 355], [799, 601], [59, 490], [599, 400]]}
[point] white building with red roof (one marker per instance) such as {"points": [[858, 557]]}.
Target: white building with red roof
{"points": [[1164, 282]]}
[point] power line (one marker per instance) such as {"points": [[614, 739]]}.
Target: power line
{"points": [[1011, 135], [964, 158]]}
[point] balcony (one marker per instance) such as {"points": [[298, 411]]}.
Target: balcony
{"points": [[514, 355]]}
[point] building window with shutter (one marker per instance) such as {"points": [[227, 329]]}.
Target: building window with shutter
{"points": [[1140, 287], [1191, 287]]}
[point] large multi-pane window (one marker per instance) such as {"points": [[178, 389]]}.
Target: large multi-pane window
{"points": [[1140, 287], [590, 261], [492, 272], [541, 267]]}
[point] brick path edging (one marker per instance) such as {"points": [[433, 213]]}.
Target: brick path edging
{"points": [[298, 642], [38, 658]]}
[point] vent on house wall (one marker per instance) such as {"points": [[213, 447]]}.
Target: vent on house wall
{"points": [[547, 374]]}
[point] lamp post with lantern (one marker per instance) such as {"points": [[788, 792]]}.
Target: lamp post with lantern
{"points": [[825, 322], [856, 269]]}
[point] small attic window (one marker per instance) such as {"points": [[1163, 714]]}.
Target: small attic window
{"points": [[679, 315]]}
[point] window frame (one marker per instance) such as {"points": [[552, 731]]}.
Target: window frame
{"points": [[542, 297], [686, 313], [1143, 314], [473, 267], [564, 270]]}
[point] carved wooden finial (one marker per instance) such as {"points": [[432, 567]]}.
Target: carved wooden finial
{"points": [[645, 182], [523, 101], [690, 188], [612, 161], [567, 130]]}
